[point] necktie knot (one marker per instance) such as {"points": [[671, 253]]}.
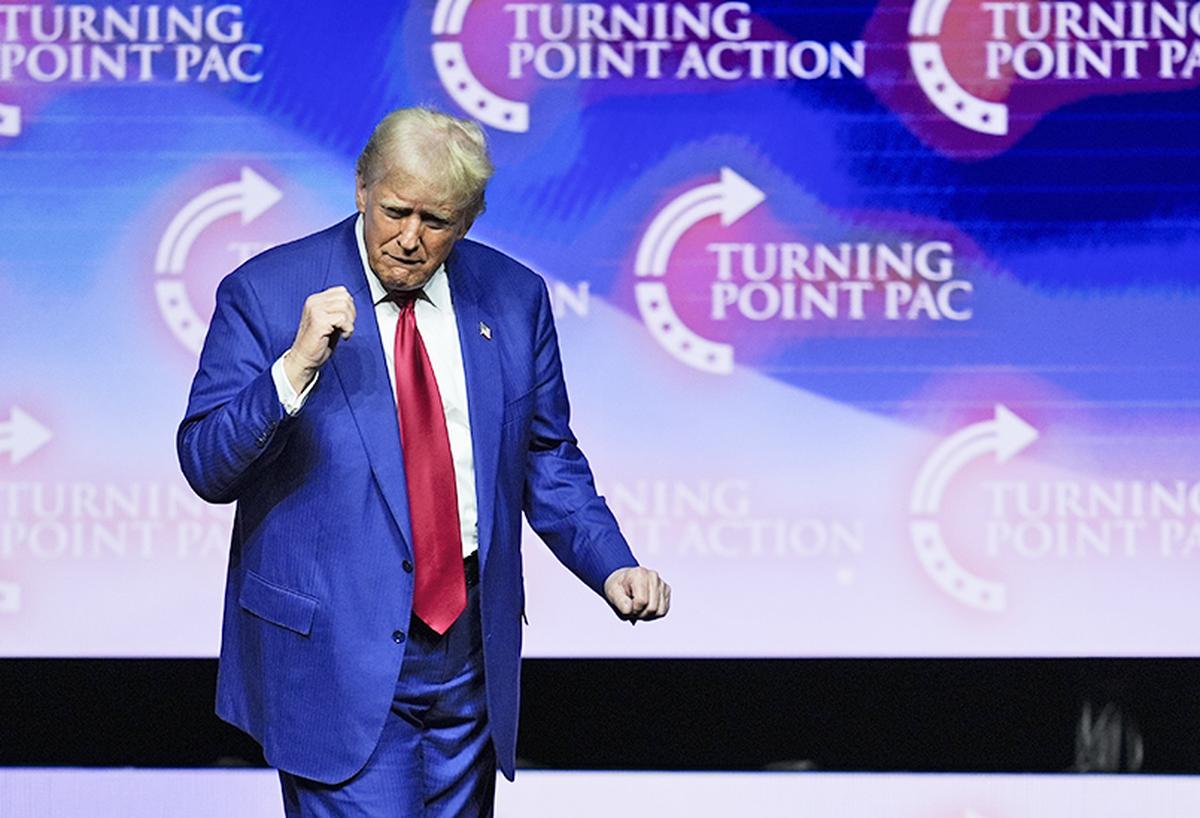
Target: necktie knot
{"points": [[404, 299]]}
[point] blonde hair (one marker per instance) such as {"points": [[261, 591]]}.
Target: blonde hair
{"points": [[443, 146]]}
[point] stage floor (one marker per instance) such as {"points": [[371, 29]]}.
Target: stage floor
{"points": [[74, 793]]}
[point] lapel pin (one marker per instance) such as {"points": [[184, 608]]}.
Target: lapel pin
{"points": [[485, 331]]}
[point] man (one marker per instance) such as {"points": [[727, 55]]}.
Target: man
{"points": [[382, 399]]}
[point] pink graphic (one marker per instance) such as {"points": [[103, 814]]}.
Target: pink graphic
{"points": [[727, 272], [970, 78], [498, 60], [248, 196]]}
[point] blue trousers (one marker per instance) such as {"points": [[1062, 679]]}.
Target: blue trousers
{"points": [[435, 757]]}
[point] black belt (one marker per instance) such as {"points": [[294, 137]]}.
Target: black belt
{"points": [[471, 569]]}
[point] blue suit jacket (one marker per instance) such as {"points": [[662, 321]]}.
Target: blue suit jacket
{"points": [[316, 585]]}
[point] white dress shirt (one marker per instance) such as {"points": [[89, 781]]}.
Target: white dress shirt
{"points": [[439, 333]]}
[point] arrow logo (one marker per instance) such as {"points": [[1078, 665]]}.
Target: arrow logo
{"points": [[460, 82], [21, 436], [929, 67], [730, 198], [1004, 437], [250, 196], [10, 120]]}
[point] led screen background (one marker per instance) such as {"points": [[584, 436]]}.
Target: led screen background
{"points": [[880, 333]]}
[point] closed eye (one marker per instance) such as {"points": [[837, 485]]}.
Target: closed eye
{"points": [[437, 221]]}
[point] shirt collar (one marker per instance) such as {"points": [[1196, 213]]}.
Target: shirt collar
{"points": [[437, 288]]}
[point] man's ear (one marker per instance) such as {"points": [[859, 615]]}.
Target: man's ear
{"points": [[360, 194]]}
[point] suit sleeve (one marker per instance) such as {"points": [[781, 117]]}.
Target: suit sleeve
{"points": [[234, 416], [561, 503]]}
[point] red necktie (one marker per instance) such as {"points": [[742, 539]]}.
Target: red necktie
{"points": [[440, 590]]}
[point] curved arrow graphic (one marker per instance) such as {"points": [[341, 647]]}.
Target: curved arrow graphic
{"points": [[926, 17], [958, 104], [929, 67], [730, 198], [1004, 436], [21, 436], [448, 16], [460, 82], [250, 196]]}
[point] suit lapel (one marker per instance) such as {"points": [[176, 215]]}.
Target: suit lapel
{"points": [[361, 370], [485, 386]]}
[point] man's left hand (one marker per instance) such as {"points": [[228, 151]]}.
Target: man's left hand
{"points": [[637, 593]]}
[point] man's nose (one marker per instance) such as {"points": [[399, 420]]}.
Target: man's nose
{"points": [[409, 237]]}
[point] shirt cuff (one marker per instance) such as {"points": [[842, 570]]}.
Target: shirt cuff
{"points": [[292, 402]]}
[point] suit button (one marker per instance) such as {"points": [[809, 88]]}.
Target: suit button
{"points": [[397, 636], [407, 566]]}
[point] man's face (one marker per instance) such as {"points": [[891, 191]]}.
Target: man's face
{"points": [[410, 225]]}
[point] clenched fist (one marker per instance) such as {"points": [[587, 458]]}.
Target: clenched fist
{"points": [[327, 318], [637, 593]]}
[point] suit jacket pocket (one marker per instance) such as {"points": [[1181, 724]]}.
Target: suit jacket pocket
{"points": [[278, 605]]}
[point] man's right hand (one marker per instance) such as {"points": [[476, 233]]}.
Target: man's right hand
{"points": [[328, 317]]}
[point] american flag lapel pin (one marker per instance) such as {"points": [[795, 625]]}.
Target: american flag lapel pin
{"points": [[485, 331]]}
